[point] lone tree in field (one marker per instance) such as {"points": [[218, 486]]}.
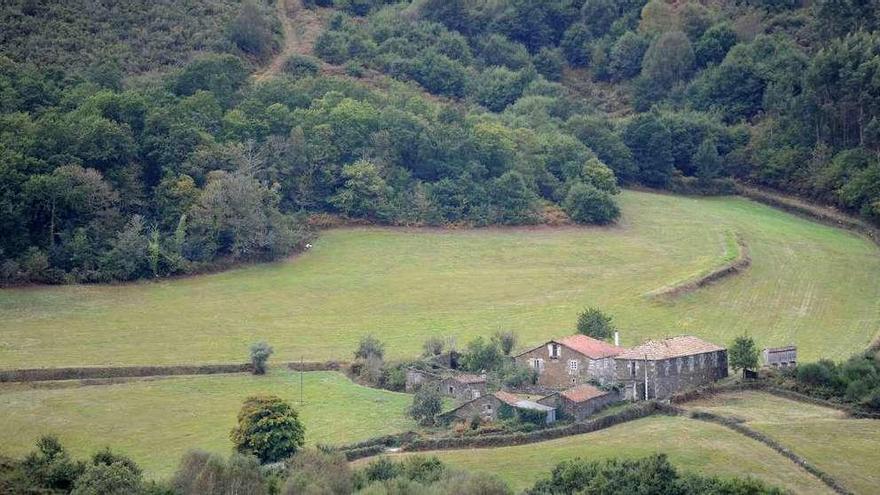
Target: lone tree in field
{"points": [[592, 322], [268, 428], [426, 405], [260, 353], [370, 347], [743, 354]]}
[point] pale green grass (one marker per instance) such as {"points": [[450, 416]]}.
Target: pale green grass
{"points": [[692, 446], [809, 285], [156, 421], [848, 449]]}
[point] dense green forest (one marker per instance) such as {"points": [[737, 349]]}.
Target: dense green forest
{"points": [[134, 143]]}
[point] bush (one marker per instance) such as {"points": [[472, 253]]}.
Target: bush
{"points": [[481, 355], [251, 32], [370, 347], [592, 322], [433, 346], [586, 204], [302, 66], [313, 471], [506, 341], [260, 353], [117, 478], [50, 466], [426, 405], [203, 473], [268, 428]]}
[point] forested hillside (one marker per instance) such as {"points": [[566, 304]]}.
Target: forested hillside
{"points": [[508, 112]]}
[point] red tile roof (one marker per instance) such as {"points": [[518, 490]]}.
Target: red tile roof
{"points": [[590, 347], [583, 393], [684, 345], [466, 378]]}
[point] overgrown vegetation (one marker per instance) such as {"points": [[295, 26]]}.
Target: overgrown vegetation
{"points": [[593, 322], [855, 381], [268, 428], [649, 475]]}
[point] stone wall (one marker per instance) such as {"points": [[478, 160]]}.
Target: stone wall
{"points": [[463, 392], [667, 377], [579, 411], [415, 379], [485, 407]]}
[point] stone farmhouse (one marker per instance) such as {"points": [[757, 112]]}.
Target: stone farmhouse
{"points": [[488, 407], [581, 401], [571, 361], [780, 357], [658, 369]]}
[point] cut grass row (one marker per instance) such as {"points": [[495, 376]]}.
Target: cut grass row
{"points": [[809, 284], [691, 446], [157, 421], [845, 448]]}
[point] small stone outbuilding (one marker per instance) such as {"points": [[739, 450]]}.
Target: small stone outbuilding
{"points": [[580, 402], [463, 387], [780, 357], [489, 408]]}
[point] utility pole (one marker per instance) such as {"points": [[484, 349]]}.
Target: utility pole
{"points": [[646, 377], [300, 381]]}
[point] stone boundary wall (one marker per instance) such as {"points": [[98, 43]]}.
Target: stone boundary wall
{"points": [[636, 411], [742, 429], [739, 264], [802, 208], [103, 372]]}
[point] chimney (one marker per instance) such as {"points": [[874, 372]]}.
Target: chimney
{"points": [[617, 339]]}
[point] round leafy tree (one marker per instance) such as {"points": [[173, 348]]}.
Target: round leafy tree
{"points": [[268, 428], [592, 322]]}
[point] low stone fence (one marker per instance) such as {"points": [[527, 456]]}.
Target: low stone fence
{"points": [[742, 429], [636, 411], [102, 372]]}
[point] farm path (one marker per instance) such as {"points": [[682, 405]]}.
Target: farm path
{"points": [[301, 27]]}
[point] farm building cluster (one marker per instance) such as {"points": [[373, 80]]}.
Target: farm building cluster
{"points": [[579, 375]]}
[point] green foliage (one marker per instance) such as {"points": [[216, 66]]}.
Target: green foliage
{"points": [[481, 355], [506, 340], [301, 66], [260, 352], [268, 428], [50, 466], [202, 473], [584, 203], [426, 405], [855, 381], [743, 354], [251, 32], [650, 142], [370, 347], [314, 471], [419, 474], [108, 479], [648, 475], [364, 192], [592, 322]]}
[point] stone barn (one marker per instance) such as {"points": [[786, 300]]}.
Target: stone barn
{"points": [[416, 379], [780, 357], [571, 361], [580, 402], [489, 408], [463, 387], [658, 369]]}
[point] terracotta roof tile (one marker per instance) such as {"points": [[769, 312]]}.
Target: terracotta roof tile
{"points": [[590, 347], [582, 393], [684, 345]]}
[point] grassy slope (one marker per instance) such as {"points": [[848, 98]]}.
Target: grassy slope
{"points": [[809, 284], [691, 446], [845, 448], [157, 421]]}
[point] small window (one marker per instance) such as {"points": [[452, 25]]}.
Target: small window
{"points": [[554, 350], [572, 366], [487, 408], [475, 394], [632, 368], [451, 389], [691, 363]]}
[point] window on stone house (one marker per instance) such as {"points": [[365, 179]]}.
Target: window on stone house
{"points": [[690, 363], [632, 368], [475, 394], [487, 408], [678, 364], [451, 389], [666, 366], [714, 359], [554, 350], [572, 366]]}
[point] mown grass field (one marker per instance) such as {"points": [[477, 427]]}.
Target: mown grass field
{"points": [[691, 446], [809, 284], [157, 421], [848, 449]]}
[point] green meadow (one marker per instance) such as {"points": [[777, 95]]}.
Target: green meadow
{"points": [[845, 448], [809, 284], [691, 446], [157, 421]]}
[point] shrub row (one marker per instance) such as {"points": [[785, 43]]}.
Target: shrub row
{"points": [[102, 372]]}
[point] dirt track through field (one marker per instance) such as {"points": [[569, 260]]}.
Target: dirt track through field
{"points": [[301, 27]]}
